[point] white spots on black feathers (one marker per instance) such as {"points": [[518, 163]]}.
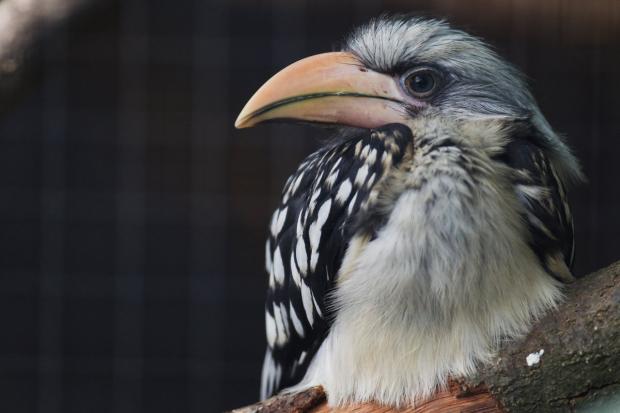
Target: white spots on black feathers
{"points": [[286, 193], [344, 191], [331, 179], [360, 177], [278, 267], [372, 157], [364, 153], [565, 210], [529, 192], [308, 237], [277, 221], [297, 325], [358, 148], [315, 232], [535, 221], [281, 219], [268, 262], [270, 329], [301, 256], [300, 225], [352, 204], [386, 160], [333, 174], [295, 271], [316, 306], [336, 165], [542, 195], [297, 183], [277, 326], [315, 196], [371, 180], [306, 297], [281, 317], [274, 223], [270, 376]]}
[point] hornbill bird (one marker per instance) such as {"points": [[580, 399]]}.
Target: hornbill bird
{"points": [[432, 226]]}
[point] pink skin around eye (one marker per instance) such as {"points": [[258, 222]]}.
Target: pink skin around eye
{"points": [[406, 97]]}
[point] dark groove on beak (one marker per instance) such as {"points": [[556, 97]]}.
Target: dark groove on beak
{"points": [[310, 96]]}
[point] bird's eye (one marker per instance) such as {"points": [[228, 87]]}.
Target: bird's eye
{"points": [[421, 82]]}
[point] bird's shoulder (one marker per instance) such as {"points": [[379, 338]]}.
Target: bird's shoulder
{"points": [[546, 211]]}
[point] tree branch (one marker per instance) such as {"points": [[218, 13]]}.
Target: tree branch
{"points": [[581, 359], [570, 360]]}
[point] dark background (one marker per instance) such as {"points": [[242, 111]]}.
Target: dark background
{"points": [[132, 214]]}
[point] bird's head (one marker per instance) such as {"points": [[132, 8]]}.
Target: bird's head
{"points": [[400, 69]]}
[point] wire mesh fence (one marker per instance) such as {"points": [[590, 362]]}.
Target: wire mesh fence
{"points": [[133, 214]]}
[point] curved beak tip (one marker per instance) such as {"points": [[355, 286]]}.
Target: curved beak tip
{"points": [[243, 119], [240, 123]]}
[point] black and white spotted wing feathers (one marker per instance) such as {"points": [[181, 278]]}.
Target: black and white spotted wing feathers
{"points": [[309, 234], [547, 213]]}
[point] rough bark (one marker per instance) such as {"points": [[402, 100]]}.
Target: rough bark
{"points": [[578, 370], [294, 403]]}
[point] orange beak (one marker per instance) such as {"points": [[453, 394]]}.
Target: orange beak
{"points": [[327, 88]]}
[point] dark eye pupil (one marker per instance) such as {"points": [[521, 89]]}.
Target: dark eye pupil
{"points": [[422, 82]]}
